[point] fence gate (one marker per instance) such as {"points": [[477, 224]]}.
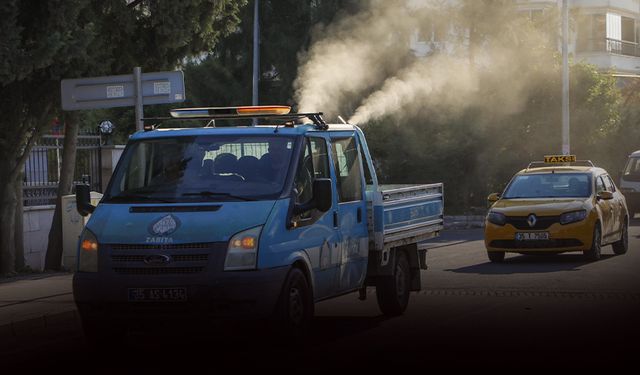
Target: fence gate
{"points": [[42, 169]]}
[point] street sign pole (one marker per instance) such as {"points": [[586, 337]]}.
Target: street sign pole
{"points": [[566, 139], [137, 78]]}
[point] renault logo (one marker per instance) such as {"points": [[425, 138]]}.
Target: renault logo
{"points": [[532, 220], [157, 259]]}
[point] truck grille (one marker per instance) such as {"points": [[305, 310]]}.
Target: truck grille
{"points": [[176, 258], [181, 246], [189, 258], [157, 270], [536, 244], [543, 222]]}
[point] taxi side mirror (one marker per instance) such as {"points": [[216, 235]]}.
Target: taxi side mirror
{"points": [[493, 198], [605, 195]]}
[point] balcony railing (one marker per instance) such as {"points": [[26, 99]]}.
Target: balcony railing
{"points": [[618, 47]]}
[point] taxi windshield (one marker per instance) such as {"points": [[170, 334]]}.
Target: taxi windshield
{"points": [[202, 168], [549, 185]]}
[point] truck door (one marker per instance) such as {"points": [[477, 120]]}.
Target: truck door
{"points": [[351, 212], [313, 230]]}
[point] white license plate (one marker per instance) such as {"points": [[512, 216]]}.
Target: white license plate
{"points": [[157, 294], [532, 236]]}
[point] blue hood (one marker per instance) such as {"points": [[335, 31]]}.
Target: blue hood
{"points": [[179, 223]]}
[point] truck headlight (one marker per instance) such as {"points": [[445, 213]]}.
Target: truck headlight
{"points": [[572, 217], [88, 252], [497, 218], [243, 250]]}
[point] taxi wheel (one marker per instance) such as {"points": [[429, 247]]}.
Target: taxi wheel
{"points": [[596, 245], [496, 256], [622, 246]]}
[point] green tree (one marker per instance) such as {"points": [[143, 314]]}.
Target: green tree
{"points": [[42, 44]]}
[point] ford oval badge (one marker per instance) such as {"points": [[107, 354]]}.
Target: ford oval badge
{"points": [[157, 259]]}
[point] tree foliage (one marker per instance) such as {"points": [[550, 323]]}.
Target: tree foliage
{"points": [[45, 42]]}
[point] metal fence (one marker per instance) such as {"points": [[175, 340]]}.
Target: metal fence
{"points": [[42, 169]]}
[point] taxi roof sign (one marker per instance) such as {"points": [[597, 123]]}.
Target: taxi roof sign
{"points": [[552, 159]]}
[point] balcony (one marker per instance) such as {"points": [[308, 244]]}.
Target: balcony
{"points": [[615, 46], [607, 53]]}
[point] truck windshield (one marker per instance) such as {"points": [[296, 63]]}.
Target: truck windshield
{"points": [[632, 170], [549, 185], [202, 168]]}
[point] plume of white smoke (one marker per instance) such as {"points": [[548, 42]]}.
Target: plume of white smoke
{"points": [[442, 80], [353, 56], [356, 62]]}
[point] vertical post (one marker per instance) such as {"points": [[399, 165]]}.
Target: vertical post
{"points": [[256, 52], [566, 139], [137, 77]]}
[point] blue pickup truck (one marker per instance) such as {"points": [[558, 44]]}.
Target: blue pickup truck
{"points": [[261, 220]]}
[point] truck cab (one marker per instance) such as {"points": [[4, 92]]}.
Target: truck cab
{"points": [[248, 221]]}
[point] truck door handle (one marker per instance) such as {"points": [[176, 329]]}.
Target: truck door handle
{"points": [[359, 215], [335, 219]]}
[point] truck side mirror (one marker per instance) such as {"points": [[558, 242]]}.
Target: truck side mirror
{"points": [[322, 194], [83, 199]]}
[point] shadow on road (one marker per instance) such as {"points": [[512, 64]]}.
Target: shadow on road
{"points": [[530, 264]]}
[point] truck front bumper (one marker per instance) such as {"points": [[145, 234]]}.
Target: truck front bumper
{"points": [[103, 295]]}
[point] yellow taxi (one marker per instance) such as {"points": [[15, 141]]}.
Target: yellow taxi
{"points": [[555, 206]]}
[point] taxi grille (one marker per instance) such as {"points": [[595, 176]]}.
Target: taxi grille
{"points": [[542, 222], [535, 244]]}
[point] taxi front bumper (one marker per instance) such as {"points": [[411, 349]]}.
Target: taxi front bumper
{"points": [[561, 238]]}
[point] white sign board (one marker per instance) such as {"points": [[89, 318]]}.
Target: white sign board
{"points": [[120, 90]]}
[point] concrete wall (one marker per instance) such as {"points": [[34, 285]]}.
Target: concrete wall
{"points": [[36, 225]]}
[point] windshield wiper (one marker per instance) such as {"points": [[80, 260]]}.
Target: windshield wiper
{"points": [[217, 194], [127, 197]]}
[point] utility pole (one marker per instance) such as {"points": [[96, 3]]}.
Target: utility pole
{"points": [[139, 111], [256, 51], [566, 140]]}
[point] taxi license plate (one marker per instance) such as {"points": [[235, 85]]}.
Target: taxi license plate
{"points": [[532, 236], [157, 294]]}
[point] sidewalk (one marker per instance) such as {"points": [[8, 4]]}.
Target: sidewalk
{"points": [[35, 303]]}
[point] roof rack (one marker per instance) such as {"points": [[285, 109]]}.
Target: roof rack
{"points": [[577, 163], [237, 113]]}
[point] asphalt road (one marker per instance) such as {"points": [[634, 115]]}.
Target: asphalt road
{"points": [[529, 313]]}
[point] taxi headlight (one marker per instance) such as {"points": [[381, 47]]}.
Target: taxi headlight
{"points": [[572, 217], [497, 218], [242, 253], [88, 252]]}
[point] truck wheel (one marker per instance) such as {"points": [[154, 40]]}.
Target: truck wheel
{"points": [[392, 292], [496, 256], [622, 246], [594, 253], [295, 307], [104, 333]]}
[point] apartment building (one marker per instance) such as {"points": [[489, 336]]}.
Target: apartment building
{"points": [[605, 33]]}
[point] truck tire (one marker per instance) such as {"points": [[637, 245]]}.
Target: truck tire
{"points": [[620, 247], [392, 292], [295, 305], [594, 253]]}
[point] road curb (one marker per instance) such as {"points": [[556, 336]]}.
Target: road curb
{"points": [[48, 322]]}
